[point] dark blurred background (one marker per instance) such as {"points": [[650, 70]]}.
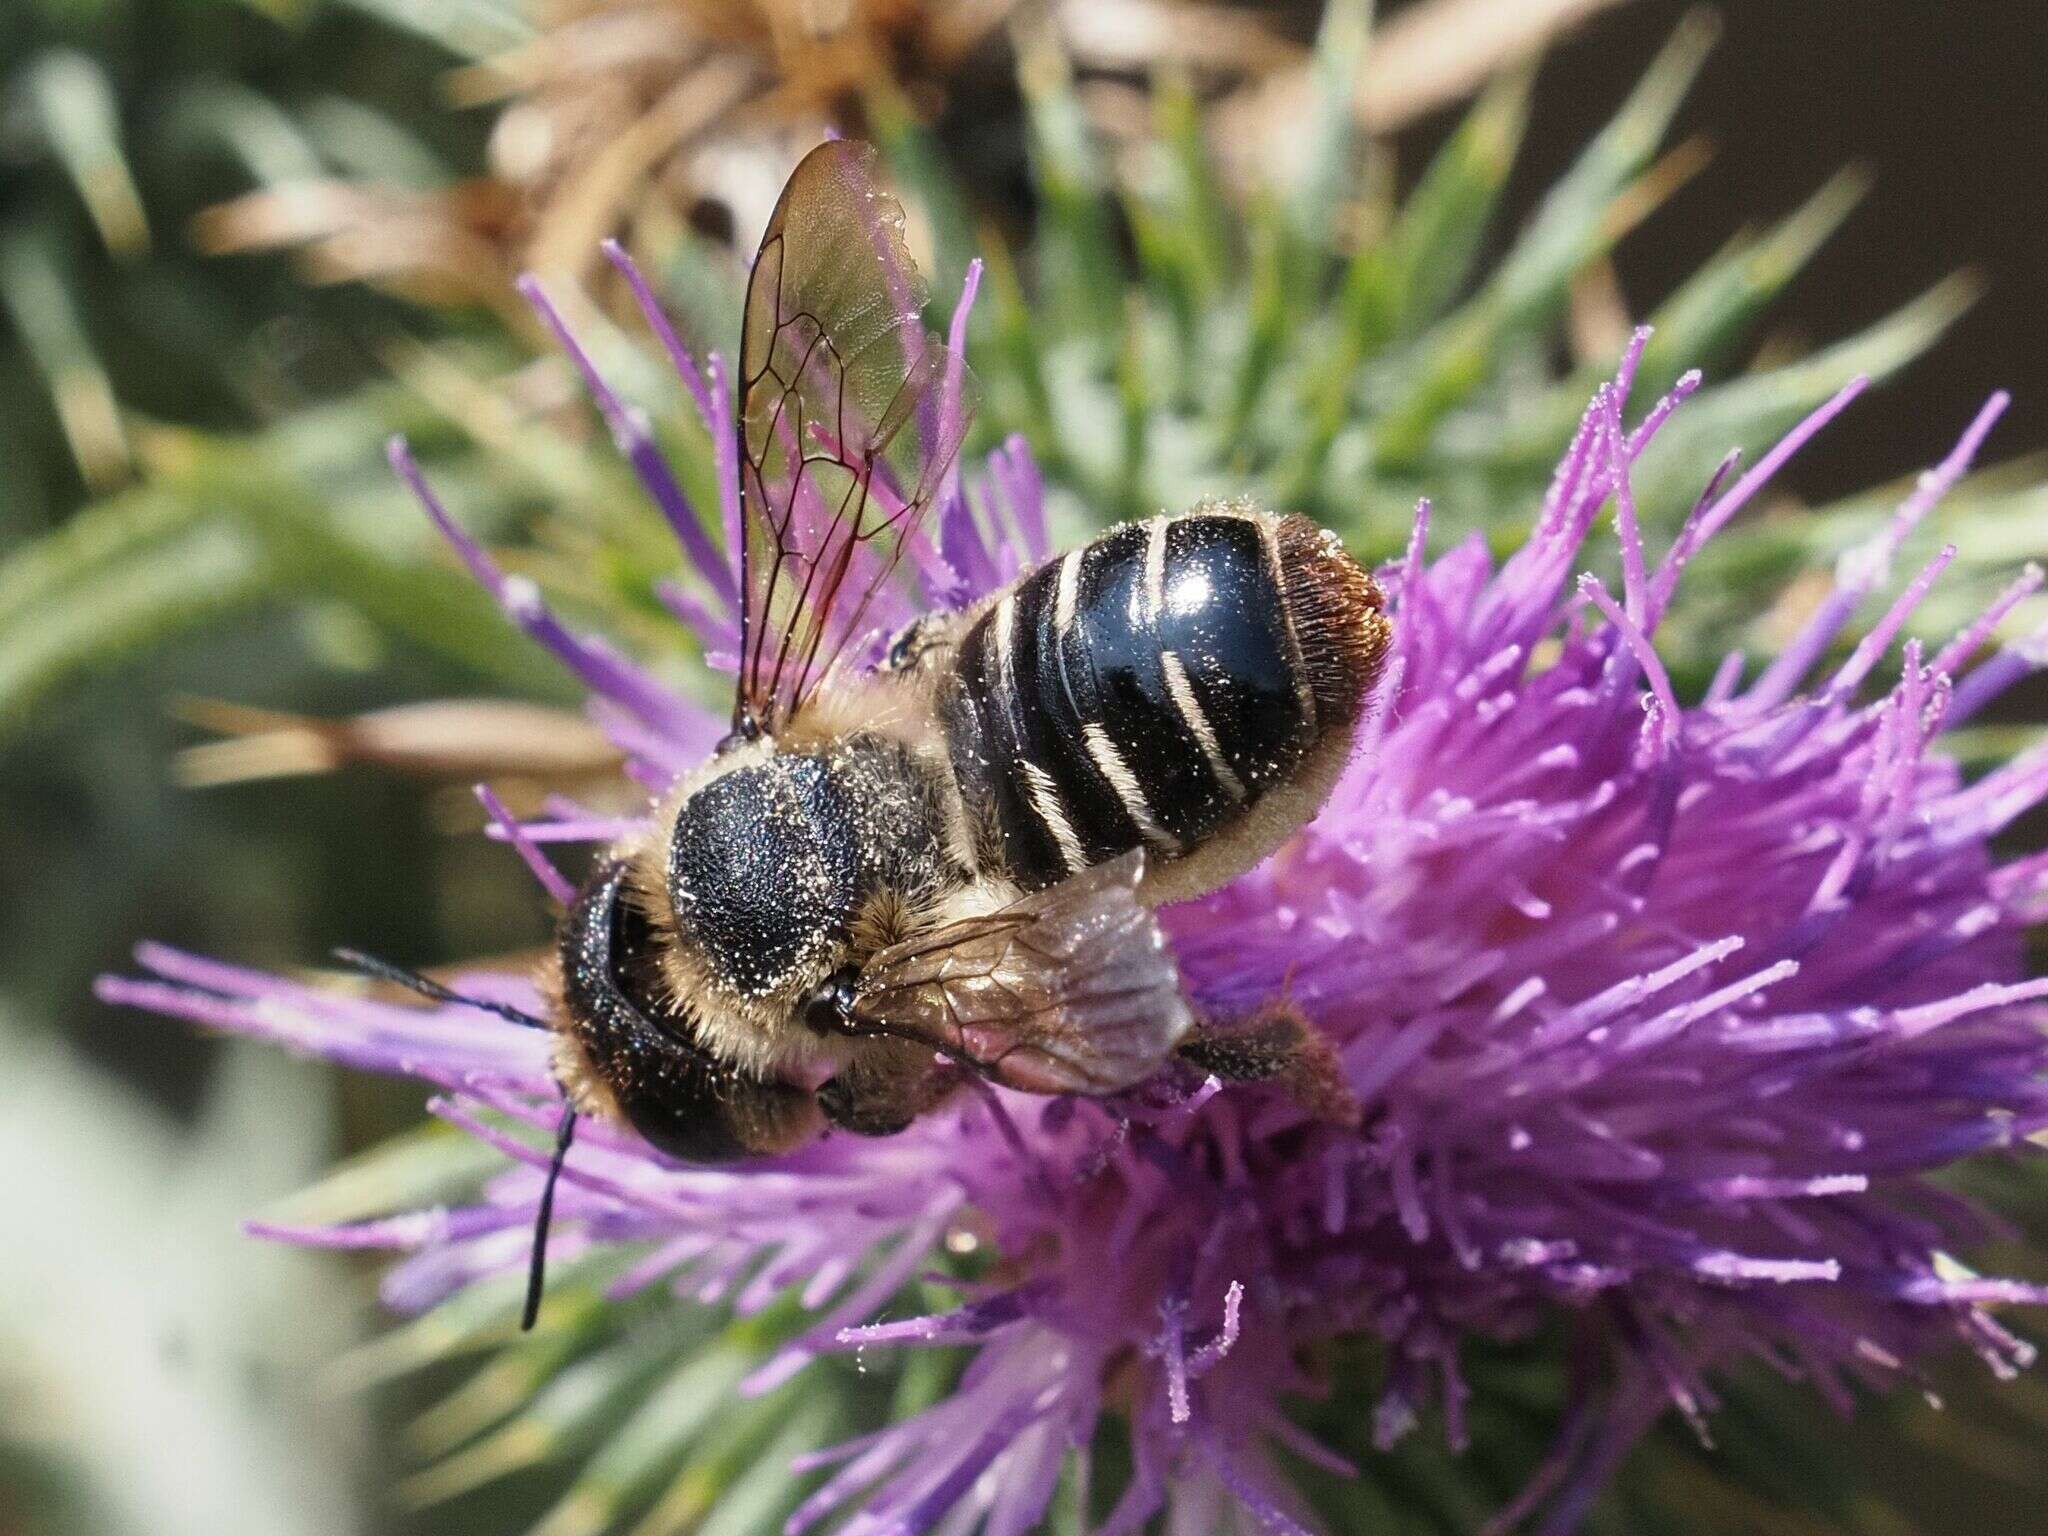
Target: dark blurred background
{"points": [[1946, 106]]}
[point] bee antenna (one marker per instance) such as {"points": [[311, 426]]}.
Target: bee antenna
{"points": [[413, 981], [537, 1266]]}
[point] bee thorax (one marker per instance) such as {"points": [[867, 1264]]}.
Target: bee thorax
{"points": [[762, 871], [774, 867]]}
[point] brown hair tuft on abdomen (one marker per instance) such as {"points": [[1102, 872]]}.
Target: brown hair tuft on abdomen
{"points": [[1339, 618]]}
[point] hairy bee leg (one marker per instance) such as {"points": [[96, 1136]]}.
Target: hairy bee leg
{"points": [[1276, 1045], [868, 1101]]}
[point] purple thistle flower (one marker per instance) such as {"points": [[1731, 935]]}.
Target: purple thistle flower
{"points": [[1660, 1016]]}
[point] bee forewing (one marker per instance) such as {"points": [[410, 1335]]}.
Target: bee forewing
{"points": [[850, 415]]}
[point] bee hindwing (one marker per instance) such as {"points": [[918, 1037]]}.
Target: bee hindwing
{"points": [[1067, 990]]}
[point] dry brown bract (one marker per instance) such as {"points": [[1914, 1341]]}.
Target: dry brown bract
{"points": [[631, 118]]}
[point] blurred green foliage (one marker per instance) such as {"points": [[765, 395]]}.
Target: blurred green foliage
{"points": [[159, 1368]]}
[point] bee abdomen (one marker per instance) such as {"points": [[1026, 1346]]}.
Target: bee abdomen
{"points": [[1157, 684]]}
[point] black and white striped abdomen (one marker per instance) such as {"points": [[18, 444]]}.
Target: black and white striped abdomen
{"points": [[1155, 686]]}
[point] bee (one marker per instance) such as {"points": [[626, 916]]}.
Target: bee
{"points": [[891, 878]]}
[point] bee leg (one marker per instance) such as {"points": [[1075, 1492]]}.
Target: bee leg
{"points": [[871, 1100], [1276, 1045], [864, 1113]]}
